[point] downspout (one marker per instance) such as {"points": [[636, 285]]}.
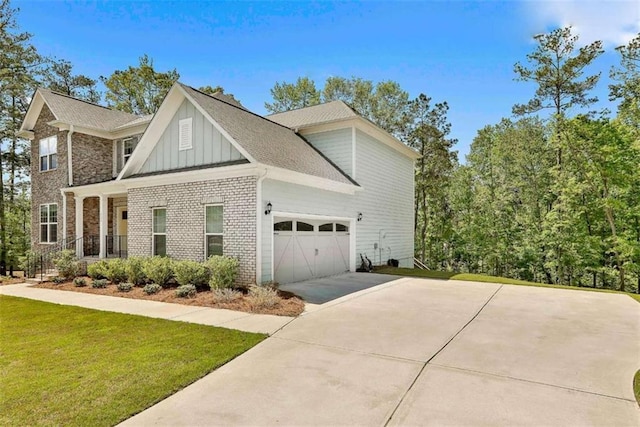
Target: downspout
{"points": [[70, 155], [259, 214], [64, 216]]}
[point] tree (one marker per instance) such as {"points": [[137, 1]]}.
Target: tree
{"points": [[557, 70], [60, 78], [627, 86], [139, 90], [218, 89], [19, 65], [291, 96]]}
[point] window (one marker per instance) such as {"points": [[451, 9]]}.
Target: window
{"points": [[342, 227], [283, 226], [186, 140], [213, 230], [159, 231], [127, 149], [48, 153], [303, 226], [49, 223], [326, 227]]}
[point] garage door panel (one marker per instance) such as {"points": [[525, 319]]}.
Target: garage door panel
{"points": [[303, 257], [282, 254]]}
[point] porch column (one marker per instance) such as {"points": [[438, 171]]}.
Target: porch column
{"points": [[79, 223], [104, 224]]}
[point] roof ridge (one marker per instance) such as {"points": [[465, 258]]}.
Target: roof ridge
{"points": [[309, 106], [239, 108], [85, 101]]}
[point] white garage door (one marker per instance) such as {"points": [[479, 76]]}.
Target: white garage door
{"points": [[304, 249]]}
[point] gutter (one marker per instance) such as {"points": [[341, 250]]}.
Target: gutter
{"points": [[70, 155]]}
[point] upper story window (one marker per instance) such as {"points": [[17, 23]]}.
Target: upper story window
{"points": [[127, 149], [49, 153]]}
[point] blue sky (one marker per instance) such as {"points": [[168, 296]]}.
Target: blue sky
{"points": [[459, 52]]}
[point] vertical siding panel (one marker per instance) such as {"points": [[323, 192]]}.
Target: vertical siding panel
{"points": [[207, 142]]}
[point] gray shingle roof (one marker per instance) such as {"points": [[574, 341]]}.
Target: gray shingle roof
{"points": [[85, 114], [322, 113], [267, 142]]}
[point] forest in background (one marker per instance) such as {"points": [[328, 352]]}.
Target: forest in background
{"points": [[551, 193]]}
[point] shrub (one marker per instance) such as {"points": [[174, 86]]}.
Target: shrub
{"points": [[191, 273], [66, 263], [99, 283], [158, 269], [58, 280], [152, 288], [98, 270], [262, 297], [134, 271], [186, 291], [80, 282], [29, 263], [125, 286], [223, 295], [224, 271], [116, 270]]}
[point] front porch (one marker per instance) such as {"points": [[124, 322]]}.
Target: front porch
{"points": [[96, 226]]}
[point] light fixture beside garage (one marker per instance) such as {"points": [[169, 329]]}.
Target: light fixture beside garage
{"points": [[269, 206], [359, 216]]}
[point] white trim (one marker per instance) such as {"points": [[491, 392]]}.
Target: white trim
{"points": [[180, 177], [100, 133], [353, 152], [79, 224], [64, 215], [70, 155], [104, 224], [259, 214], [114, 163], [30, 119], [293, 177], [26, 134]]}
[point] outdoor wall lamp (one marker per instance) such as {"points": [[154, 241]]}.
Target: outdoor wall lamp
{"points": [[359, 216], [269, 206]]}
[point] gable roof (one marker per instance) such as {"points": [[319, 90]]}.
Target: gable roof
{"points": [[265, 141], [81, 113], [316, 114]]}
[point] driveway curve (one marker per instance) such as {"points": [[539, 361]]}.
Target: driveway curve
{"points": [[430, 352]]}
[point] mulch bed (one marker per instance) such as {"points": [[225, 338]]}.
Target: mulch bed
{"points": [[18, 277], [289, 305]]}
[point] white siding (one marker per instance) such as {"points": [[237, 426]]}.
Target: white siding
{"points": [[386, 203], [209, 146], [336, 145]]}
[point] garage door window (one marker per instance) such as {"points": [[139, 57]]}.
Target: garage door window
{"points": [[283, 226], [326, 227], [342, 227], [213, 232], [303, 226]]}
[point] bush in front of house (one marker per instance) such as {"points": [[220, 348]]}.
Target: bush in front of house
{"points": [[125, 286], [98, 270], [80, 282], [116, 270], [224, 271], [58, 280], [225, 295], [134, 270], [99, 283], [261, 297], [158, 269], [66, 263], [152, 288], [189, 272], [186, 291]]}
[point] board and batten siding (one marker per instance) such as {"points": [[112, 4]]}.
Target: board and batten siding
{"points": [[386, 202], [337, 146], [209, 145]]}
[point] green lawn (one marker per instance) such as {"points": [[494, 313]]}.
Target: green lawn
{"points": [[62, 365], [636, 386], [447, 275]]}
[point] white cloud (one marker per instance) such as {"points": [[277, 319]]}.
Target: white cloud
{"points": [[613, 22]]}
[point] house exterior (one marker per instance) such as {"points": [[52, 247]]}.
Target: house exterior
{"points": [[294, 195]]}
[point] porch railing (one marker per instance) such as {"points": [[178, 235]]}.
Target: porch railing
{"points": [[116, 246]]}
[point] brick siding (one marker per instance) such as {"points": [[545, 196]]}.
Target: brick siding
{"points": [[185, 204]]}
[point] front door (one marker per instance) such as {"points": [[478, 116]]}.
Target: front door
{"points": [[121, 229]]}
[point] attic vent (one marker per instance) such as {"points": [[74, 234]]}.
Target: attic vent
{"points": [[186, 140]]}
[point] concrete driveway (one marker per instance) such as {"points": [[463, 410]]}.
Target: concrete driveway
{"points": [[325, 289], [428, 352]]}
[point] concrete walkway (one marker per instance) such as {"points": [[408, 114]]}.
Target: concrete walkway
{"points": [[428, 352], [248, 322]]}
